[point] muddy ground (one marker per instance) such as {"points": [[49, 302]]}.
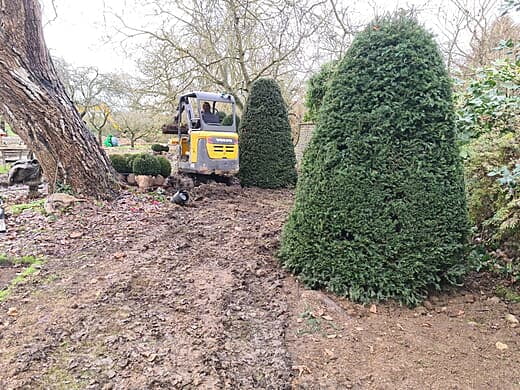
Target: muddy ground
{"points": [[143, 294]]}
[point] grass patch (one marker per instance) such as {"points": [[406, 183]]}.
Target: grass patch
{"points": [[312, 323], [5, 168], [36, 206], [33, 263], [507, 293]]}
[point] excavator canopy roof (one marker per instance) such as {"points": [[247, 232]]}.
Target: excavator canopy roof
{"points": [[213, 97]]}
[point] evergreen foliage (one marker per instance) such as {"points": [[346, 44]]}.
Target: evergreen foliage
{"points": [[380, 211], [228, 120], [130, 159], [267, 157], [146, 164], [160, 148], [221, 116], [316, 88], [166, 166], [120, 163]]}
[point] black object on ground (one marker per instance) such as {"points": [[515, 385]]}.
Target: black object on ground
{"points": [[181, 198]]}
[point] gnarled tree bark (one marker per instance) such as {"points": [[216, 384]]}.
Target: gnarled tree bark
{"points": [[34, 102]]}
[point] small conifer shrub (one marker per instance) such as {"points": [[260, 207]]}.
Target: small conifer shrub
{"points": [[120, 163], [146, 164], [160, 148], [267, 157], [380, 211], [166, 166], [228, 120]]}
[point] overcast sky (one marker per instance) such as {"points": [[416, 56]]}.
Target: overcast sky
{"points": [[77, 30]]}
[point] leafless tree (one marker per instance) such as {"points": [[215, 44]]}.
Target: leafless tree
{"points": [[464, 27], [225, 44]]}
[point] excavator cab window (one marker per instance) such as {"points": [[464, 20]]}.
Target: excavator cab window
{"points": [[192, 113]]}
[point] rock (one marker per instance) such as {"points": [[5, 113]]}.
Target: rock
{"points": [[12, 312], [373, 309], [428, 305], [513, 321], [59, 201], [111, 374], [421, 310], [493, 300], [501, 346], [144, 182], [130, 179], [158, 180], [469, 298], [119, 255]]}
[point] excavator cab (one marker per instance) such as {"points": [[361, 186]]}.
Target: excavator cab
{"points": [[207, 144]]}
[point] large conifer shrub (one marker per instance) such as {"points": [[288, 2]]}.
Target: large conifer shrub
{"points": [[380, 211], [267, 157]]}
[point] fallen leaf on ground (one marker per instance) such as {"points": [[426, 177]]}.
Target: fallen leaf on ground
{"points": [[501, 346], [329, 353], [301, 369], [76, 234]]}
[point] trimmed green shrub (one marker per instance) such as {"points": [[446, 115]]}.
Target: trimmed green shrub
{"points": [[130, 159], [221, 116], [160, 148], [228, 120], [146, 164], [380, 211], [267, 157], [166, 166], [120, 164], [316, 88]]}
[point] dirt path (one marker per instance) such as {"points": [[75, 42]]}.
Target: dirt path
{"points": [[152, 296], [140, 294]]}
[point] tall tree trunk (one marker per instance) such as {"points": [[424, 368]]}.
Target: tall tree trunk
{"points": [[34, 102]]}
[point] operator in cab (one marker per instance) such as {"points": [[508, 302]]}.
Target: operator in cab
{"points": [[208, 116]]}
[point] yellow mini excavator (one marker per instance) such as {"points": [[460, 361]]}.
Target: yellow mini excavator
{"points": [[206, 145]]}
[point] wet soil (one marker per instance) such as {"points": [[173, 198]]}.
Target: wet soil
{"points": [[144, 294]]}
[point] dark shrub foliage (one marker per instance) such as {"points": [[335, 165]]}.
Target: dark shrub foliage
{"points": [[267, 157], [228, 120], [130, 159], [380, 211], [146, 164], [316, 87], [160, 148], [120, 163], [166, 166], [221, 116]]}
